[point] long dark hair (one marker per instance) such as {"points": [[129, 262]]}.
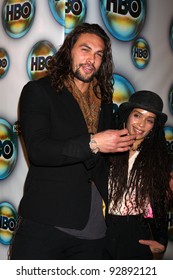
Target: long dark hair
{"points": [[150, 173], [60, 65]]}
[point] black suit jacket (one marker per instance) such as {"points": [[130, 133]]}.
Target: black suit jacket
{"points": [[57, 188]]}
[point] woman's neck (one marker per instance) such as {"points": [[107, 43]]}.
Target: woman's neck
{"points": [[135, 147]]}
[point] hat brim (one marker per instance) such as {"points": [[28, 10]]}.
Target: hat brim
{"points": [[127, 106]]}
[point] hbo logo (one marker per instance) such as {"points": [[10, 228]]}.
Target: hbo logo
{"points": [[74, 6], [17, 11], [3, 63], [39, 63], [122, 7], [141, 53], [6, 149], [7, 223]]}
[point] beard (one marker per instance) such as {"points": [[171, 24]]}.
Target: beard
{"points": [[78, 75]]}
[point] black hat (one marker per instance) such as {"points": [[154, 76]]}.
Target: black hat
{"points": [[147, 100]]}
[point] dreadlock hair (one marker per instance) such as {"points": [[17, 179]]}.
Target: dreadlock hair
{"points": [[150, 173], [60, 66]]}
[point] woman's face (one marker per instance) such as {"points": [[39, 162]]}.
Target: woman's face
{"points": [[140, 122]]}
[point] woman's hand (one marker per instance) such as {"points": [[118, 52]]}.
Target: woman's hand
{"points": [[155, 246]]}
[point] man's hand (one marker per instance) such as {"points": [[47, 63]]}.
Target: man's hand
{"points": [[112, 141]]}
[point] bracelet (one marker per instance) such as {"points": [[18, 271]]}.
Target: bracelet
{"points": [[93, 145]]}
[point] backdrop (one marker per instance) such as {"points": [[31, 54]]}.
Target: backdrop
{"points": [[31, 31]]}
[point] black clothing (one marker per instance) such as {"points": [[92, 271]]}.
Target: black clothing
{"points": [[35, 241], [57, 188], [63, 171], [123, 234]]}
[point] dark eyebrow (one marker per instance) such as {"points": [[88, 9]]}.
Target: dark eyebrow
{"points": [[136, 111], [84, 45], [87, 46]]}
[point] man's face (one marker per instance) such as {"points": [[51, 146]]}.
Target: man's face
{"points": [[87, 54]]}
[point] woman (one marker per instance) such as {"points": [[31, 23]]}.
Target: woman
{"points": [[139, 193]]}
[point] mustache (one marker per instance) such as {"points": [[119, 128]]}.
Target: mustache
{"points": [[86, 64]]}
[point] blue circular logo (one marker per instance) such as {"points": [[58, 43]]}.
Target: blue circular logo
{"points": [[169, 137], [38, 59], [4, 62], [58, 10], [8, 217], [140, 53], [123, 89], [123, 19], [17, 17], [8, 149], [68, 13]]}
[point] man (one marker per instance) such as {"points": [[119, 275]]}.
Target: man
{"points": [[66, 121]]}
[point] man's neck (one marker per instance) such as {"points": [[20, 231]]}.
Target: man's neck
{"points": [[82, 86]]}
